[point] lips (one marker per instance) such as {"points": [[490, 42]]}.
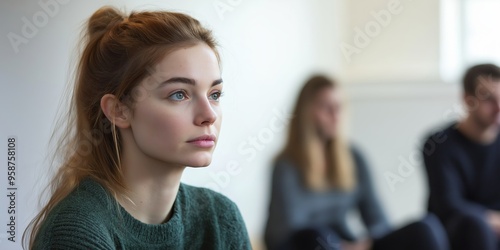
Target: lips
{"points": [[204, 141], [204, 138]]}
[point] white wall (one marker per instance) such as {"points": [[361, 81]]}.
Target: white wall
{"points": [[390, 128], [268, 48], [397, 95], [401, 41]]}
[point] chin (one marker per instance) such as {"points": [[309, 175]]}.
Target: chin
{"points": [[493, 121], [200, 161], [329, 136], [199, 165]]}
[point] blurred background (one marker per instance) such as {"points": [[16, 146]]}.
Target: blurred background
{"points": [[399, 63]]}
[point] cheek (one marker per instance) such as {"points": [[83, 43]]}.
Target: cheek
{"points": [[486, 108], [168, 124], [317, 118], [218, 111], [485, 111], [323, 121], [157, 124]]}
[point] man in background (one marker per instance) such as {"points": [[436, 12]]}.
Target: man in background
{"points": [[463, 165]]}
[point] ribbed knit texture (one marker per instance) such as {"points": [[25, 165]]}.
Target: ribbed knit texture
{"points": [[90, 218]]}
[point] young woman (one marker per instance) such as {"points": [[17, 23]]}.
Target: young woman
{"points": [[319, 178], [145, 106]]}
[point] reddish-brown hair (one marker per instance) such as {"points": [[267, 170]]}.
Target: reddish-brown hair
{"points": [[118, 52]]}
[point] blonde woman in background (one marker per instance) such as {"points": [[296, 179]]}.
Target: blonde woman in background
{"points": [[319, 177], [145, 106]]}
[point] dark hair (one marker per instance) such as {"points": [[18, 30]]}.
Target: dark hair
{"points": [[470, 80]]}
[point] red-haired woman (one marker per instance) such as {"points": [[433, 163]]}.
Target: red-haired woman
{"points": [[319, 178], [145, 106]]}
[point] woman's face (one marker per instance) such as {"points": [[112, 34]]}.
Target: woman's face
{"points": [[326, 109], [176, 115]]}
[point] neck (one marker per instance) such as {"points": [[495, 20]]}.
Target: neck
{"points": [[477, 133], [153, 188]]}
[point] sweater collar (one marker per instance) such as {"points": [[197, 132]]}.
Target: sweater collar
{"points": [[166, 234]]}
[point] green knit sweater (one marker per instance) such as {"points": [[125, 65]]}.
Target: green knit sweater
{"points": [[89, 218]]}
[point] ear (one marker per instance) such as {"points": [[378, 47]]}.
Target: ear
{"points": [[470, 101], [116, 112]]}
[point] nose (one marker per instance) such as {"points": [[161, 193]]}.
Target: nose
{"points": [[204, 113]]}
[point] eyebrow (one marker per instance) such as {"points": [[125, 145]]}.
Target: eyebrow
{"points": [[186, 81]]}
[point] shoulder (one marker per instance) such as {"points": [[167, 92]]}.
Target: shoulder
{"points": [[441, 140], [218, 213], [356, 152], [285, 175], [442, 134], [284, 167], [79, 221], [207, 202], [358, 157]]}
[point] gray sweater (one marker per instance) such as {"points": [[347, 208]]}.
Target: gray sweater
{"points": [[294, 207]]}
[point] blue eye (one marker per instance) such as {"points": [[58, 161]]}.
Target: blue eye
{"points": [[216, 96], [177, 96]]}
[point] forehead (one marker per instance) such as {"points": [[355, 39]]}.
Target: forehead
{"points": [[198, 62], [328, 94], [488, 85]]}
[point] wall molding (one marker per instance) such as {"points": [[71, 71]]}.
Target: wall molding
{"points": [[398, 91]]}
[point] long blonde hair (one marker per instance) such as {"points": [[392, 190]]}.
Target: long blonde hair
{"points": [[305, 149], [118, 52]]}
